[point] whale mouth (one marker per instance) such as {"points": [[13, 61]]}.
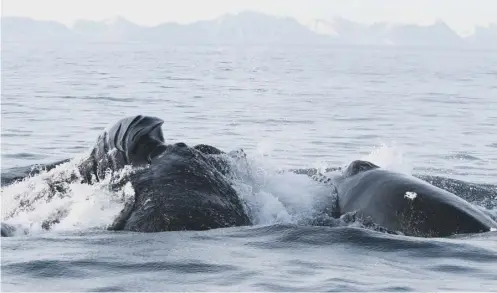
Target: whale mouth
{"points": [[159, 149], [148, 146]]}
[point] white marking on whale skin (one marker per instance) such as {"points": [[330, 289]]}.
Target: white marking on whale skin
{"points": [[493, 229], [410, 195]]}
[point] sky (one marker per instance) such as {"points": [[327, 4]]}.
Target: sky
{"points": [[461, 15]]}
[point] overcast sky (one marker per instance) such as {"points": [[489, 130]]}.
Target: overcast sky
{"points": [[461, 15]]}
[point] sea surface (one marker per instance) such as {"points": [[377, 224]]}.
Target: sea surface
{"points": [[420, 111]]}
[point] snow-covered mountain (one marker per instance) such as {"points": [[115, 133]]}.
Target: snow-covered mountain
{"points": [[484, 37], [438, 34], [250, 28]]}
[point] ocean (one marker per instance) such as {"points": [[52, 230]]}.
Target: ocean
{"points": [[421, 111]]}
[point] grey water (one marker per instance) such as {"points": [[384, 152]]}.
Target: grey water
{"points": [[414, 110]]}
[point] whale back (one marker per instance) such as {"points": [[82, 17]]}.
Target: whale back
{"points": [[403, 203], [181, 190]]}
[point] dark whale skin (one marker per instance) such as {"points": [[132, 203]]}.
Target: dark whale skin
{"points": [[181, 190], [404, 203]]}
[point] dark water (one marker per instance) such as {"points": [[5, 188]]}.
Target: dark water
{"points": [[268, 258], [411, 110]]}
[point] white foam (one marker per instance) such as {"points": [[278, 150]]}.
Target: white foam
{"points": [[273, 196], [32, 202], [89, 207]]}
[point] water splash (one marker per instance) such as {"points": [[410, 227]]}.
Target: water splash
{"points": [[273, 196], [389, 157], [56, 200]]}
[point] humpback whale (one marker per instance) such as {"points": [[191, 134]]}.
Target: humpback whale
{"points": [[181, 190], [176, 187], [404, 203]]}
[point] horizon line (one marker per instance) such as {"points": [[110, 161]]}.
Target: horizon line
{"points": [[301, 21]]}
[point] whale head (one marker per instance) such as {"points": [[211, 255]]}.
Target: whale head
{"points": [[139, 138]]}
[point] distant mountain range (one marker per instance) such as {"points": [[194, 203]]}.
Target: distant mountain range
{"points": [[249, 28]]}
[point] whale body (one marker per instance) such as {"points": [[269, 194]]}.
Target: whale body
{"points": [[404, 203], [176, 187], [181, 190]]}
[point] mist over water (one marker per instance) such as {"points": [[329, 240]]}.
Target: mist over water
{"points": [[410, 110]]}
